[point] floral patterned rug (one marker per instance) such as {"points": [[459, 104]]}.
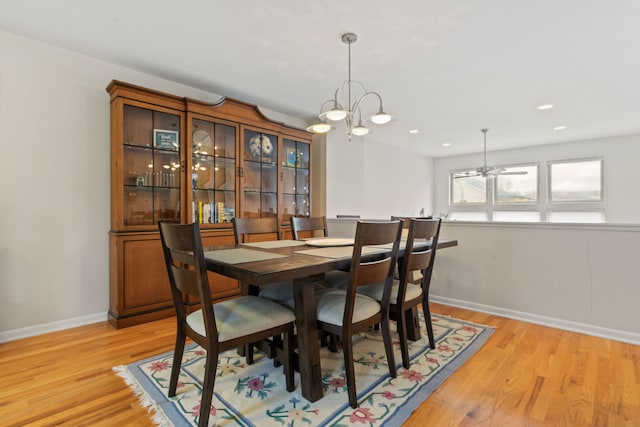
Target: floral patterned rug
{"points": [[255, 395]]}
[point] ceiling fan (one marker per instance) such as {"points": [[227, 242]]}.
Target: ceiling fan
{"points": [[487, 171]]}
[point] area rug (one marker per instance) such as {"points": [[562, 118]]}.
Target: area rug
{"points": [[255, 395]]}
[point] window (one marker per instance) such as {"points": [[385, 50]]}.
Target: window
{"points": [[579, 217], [468, 216], [516, 216], [575, 181], [517, 185], [572, 193], [514, 191], [468, 189]]}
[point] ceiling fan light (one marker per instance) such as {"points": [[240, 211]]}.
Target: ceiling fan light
{"points": [[381, 118]]}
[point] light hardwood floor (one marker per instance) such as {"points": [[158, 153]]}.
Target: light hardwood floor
{"points": [[525, 375]]}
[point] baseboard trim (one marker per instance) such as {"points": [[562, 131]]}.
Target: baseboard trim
{"points": [[583, 328], [567, 325], [30, 331]]}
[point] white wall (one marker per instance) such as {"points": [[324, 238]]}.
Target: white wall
{"points": [[54, 197], [577, 277], [621, 171], [374, 180]]}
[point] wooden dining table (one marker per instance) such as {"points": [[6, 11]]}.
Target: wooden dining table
{"points": [[262, 263]]}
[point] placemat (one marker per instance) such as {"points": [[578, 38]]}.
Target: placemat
{"points": [[325, 242], [338, 251], [275, 244], [240, 255]]}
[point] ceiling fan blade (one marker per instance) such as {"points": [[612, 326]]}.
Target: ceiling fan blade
{"points": [[513, 173], [494, 171], [466, 175]]}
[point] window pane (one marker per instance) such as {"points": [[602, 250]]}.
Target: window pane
{"points": [[582, 217], [518, 188], [468, 216], [472, 189], [516, 216], [576, 181]]}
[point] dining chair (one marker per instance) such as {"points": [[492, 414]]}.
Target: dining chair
{"points": [[263, 229], [221, 326], [247, 229], [345, 312], [412, 287], [309, 227]]}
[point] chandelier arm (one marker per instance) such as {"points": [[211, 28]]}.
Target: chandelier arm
{"points": [[356, 106], [329, 101]]}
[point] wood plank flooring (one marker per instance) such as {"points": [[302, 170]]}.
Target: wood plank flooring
{"points": [[525, 375]]}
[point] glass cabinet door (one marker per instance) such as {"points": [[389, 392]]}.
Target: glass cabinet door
{"points": [[213, 172], [151, 166], [260, 174], [295, 179]]}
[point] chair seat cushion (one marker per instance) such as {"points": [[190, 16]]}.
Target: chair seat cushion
{"points": [[331, 302], [375, 291], [242, 316]]}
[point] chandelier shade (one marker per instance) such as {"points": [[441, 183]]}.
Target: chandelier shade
{"points": [[334, 110]]}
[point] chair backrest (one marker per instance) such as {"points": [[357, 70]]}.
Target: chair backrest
{"points": [[405, 219], [301, 224], [417, 257], [187, 269], [380, 269], [267, 229]]}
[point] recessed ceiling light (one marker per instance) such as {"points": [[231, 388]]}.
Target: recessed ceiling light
{"points": [[545, 107], [446, 144], [559, 128], [414, 131]]}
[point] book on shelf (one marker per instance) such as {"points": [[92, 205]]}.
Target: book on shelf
{"points": [[212, 213]]}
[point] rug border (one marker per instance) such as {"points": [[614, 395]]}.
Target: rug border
{"points": [[135, 379]]}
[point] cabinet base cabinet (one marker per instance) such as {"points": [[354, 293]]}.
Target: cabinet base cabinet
{"points": [[139, 285]]}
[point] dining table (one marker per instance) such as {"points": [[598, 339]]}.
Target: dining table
{"points": [[304, 263]]}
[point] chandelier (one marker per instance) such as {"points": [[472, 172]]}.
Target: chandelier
{"points": [[334, 110]]}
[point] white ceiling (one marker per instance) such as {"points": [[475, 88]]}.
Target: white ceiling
{"points": [[445, 67]]}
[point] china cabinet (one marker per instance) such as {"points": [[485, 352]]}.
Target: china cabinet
{"points": [[183, 160]]}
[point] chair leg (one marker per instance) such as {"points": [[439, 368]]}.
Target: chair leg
{"points": [[210, 367], [347, 352], [288, 365], [275, 343], [333, 343], [388, 347], [404, 346], [427, 320], [177, 362], [248, 352]]}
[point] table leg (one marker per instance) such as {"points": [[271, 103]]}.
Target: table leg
{"points": [[308, 341], [413, 325]]}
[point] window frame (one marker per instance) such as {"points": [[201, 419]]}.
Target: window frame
{"points": [[580, 203], [544, 206]]}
